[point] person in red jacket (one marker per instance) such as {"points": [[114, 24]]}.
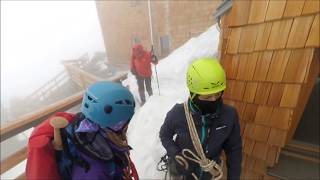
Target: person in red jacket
{"points": [[141, 68]]}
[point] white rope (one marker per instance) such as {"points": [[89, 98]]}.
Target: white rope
{"points": [[206, 164], [182, 161]]}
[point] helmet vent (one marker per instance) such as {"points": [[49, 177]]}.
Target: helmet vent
{"points": [[124, 102], [108, 109], [86, 105], [91, 99], [128, 102]]}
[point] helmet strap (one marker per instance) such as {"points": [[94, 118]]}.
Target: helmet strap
{"points": [[193, 106], [192, 95]]}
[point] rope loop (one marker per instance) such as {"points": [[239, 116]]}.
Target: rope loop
{"points": [[182, 161], [206, 165]]}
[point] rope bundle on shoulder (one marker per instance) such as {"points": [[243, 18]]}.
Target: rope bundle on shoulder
{"points": [[206, 164]]}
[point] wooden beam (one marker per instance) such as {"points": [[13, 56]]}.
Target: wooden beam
{"points": [[13, 160], [304, 147], [305, 158], [33, 119]]}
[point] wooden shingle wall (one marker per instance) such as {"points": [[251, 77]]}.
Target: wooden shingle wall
{"points": [[270, 51]]}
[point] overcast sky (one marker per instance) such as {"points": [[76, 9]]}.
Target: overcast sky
{"points": [[37, 35]]}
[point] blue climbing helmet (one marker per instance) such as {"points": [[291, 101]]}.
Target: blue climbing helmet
{"points": [[108, 104]]}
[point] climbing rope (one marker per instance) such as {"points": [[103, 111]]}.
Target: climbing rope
{"points": [[206, 164]]}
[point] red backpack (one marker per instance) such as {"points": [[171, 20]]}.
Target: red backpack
{"points": [[41, 159]]}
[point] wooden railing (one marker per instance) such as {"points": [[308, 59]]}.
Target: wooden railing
{"points": [[35, 118], [74, 68], [49, 87], [80, 63], [80, 77], [51, 91]]}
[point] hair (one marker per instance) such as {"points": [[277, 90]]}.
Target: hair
{"points": [[119, 138]]}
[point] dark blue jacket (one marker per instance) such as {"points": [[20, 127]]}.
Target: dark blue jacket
{"points": [[224, 134]]}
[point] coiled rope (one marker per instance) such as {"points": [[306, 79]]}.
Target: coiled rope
{"points": [[206, 164]]}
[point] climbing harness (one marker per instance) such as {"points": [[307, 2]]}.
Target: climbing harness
{"points": [[206, 164]]}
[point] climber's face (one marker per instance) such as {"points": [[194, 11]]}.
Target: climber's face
{"points": [[138, 50]]}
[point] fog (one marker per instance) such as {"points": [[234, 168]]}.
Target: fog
{"points": [[37, 35]]}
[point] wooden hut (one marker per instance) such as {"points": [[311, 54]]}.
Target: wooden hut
{"points": [[270, 51]]}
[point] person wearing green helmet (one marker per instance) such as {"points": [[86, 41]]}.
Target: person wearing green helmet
{"points": [[196, 132]]}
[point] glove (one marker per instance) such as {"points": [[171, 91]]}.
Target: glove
{"points": [[154, 59]]}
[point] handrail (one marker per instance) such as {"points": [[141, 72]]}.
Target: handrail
{"points": [[81, 77], [51, 82], [54, 81], [33, 119], [14, 159]]}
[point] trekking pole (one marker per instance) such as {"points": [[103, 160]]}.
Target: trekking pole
{"points": [[151, 34], [155, 67], [57, 123]]}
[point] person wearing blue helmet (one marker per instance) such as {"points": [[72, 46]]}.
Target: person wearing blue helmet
{"points": [[94, 143]]}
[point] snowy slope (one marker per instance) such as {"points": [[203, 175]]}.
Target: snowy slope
{"points": [[143, 132]]}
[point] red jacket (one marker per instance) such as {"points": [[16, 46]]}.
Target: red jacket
{"points": [[141, 61], [41, 159]]}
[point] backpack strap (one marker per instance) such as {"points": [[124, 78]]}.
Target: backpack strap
{"points": [[69, 156]]}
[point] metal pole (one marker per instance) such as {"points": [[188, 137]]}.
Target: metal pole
{"points": [[151, 34], [150, 22]]}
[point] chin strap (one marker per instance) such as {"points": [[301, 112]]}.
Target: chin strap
{"points": [[206, 164]]}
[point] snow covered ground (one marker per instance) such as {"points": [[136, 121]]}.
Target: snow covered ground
{"points": [[143, 132]]}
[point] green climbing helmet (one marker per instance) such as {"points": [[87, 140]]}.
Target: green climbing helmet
{"points": [[206, 76]]}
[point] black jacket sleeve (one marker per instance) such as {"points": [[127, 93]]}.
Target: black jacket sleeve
{"points": [[233, 150], [167, 132]]}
